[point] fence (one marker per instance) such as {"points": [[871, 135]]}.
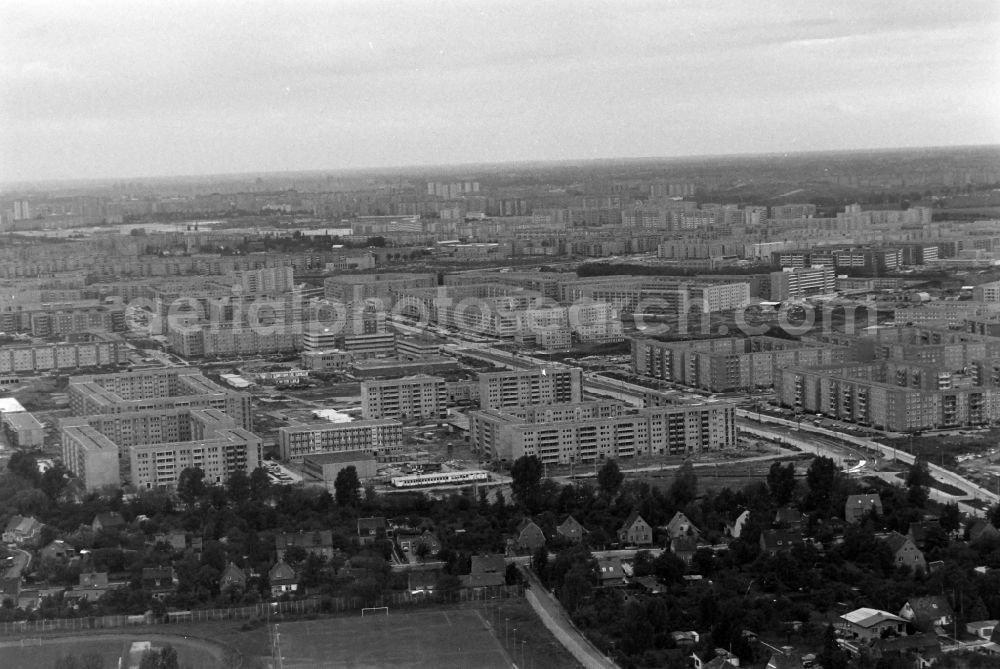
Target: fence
{"points": [[265, 611]]}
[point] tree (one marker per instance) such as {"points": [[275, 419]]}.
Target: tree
{"points": [[832, 656], [526, 475], [238, 486], [918, 480], [346, 487], [25, 465], [781, 482], [951, 518], [684, 488], [610, 478], [165, 658], [821, 478], [260, 484], [191, 485]]}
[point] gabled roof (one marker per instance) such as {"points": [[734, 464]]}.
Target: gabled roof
{"points": [[526, 524], [632, 519], [982, 528], [569, 525], [678, 522], [784, 661], [897, 541], [372, 523], [864, 501], [233, 574], [929, 607], [780, 539], [789, 515], [865, 617], [489, 563], [281, 572]]}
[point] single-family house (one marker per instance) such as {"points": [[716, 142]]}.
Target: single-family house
{"points": [[635, 531], [422, 581], [735, 528], [370, 530], [233, 578], [571, 530], [681, 526], [487, 571], [282, 579], [529, 536], [318, 543], [58, 550], [177, 541], [905, 553], [784, 660], [775, 541], [867, 624], [159, 581], [922, 650], [788, 517], [983, 529], [684, 547], [929, 612], [22, 530], [107, 521], [91, 586], [610, 572], [412, 543], [859, 505], [921, 531]]}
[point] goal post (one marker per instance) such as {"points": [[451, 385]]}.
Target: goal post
{"points": [[375, 611]]}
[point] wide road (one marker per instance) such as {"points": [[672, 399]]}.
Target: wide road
{"points": [[804, 436]]}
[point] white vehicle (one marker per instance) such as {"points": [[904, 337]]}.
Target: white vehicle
{"points": [[440, 478]]}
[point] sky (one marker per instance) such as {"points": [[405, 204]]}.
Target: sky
{"points": [[133, 89]]}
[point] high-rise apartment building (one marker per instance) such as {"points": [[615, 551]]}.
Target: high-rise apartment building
{"points": [[411, 397], [550, 384], [383, 438], [590, 431]]}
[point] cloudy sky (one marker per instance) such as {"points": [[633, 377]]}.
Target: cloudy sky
{"points": [[94, 89]]}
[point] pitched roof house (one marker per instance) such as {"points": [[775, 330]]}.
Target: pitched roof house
{"points": [[983, 529], [680, 526], [684, 548], [529, 536], [788, 516], [371, 529], [159, 581], [107, 521], [22, 530], [635, 531], [867, 624], [58, 550], [904, 552], [487, 571], [233, 578], [571, 529], [927, 613], [858, 505], [319, 543], [610, 571], [735, 528], [282, 579], [774, 541]]}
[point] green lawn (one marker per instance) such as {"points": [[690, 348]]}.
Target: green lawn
{"points": [[452, 639]]}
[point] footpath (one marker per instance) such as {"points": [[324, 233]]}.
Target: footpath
{"points": [[556, 621]]}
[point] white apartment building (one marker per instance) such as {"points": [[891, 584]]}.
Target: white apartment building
{"points": [[421, 396]]}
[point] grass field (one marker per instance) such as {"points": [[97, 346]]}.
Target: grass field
{"points": [[452, 639], [109, 647]]}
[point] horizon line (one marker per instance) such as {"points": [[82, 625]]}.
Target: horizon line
{"points": [[444, 167]]}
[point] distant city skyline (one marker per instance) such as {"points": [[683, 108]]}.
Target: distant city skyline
{"points": [[106, 90]]}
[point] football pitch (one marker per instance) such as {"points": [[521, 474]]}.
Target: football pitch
{"points": [[453, 639]]}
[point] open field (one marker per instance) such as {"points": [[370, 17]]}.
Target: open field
{"points": [[455, 638], [43, 653]]}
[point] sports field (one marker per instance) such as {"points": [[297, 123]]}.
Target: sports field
{"points": [[453, 639]]}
